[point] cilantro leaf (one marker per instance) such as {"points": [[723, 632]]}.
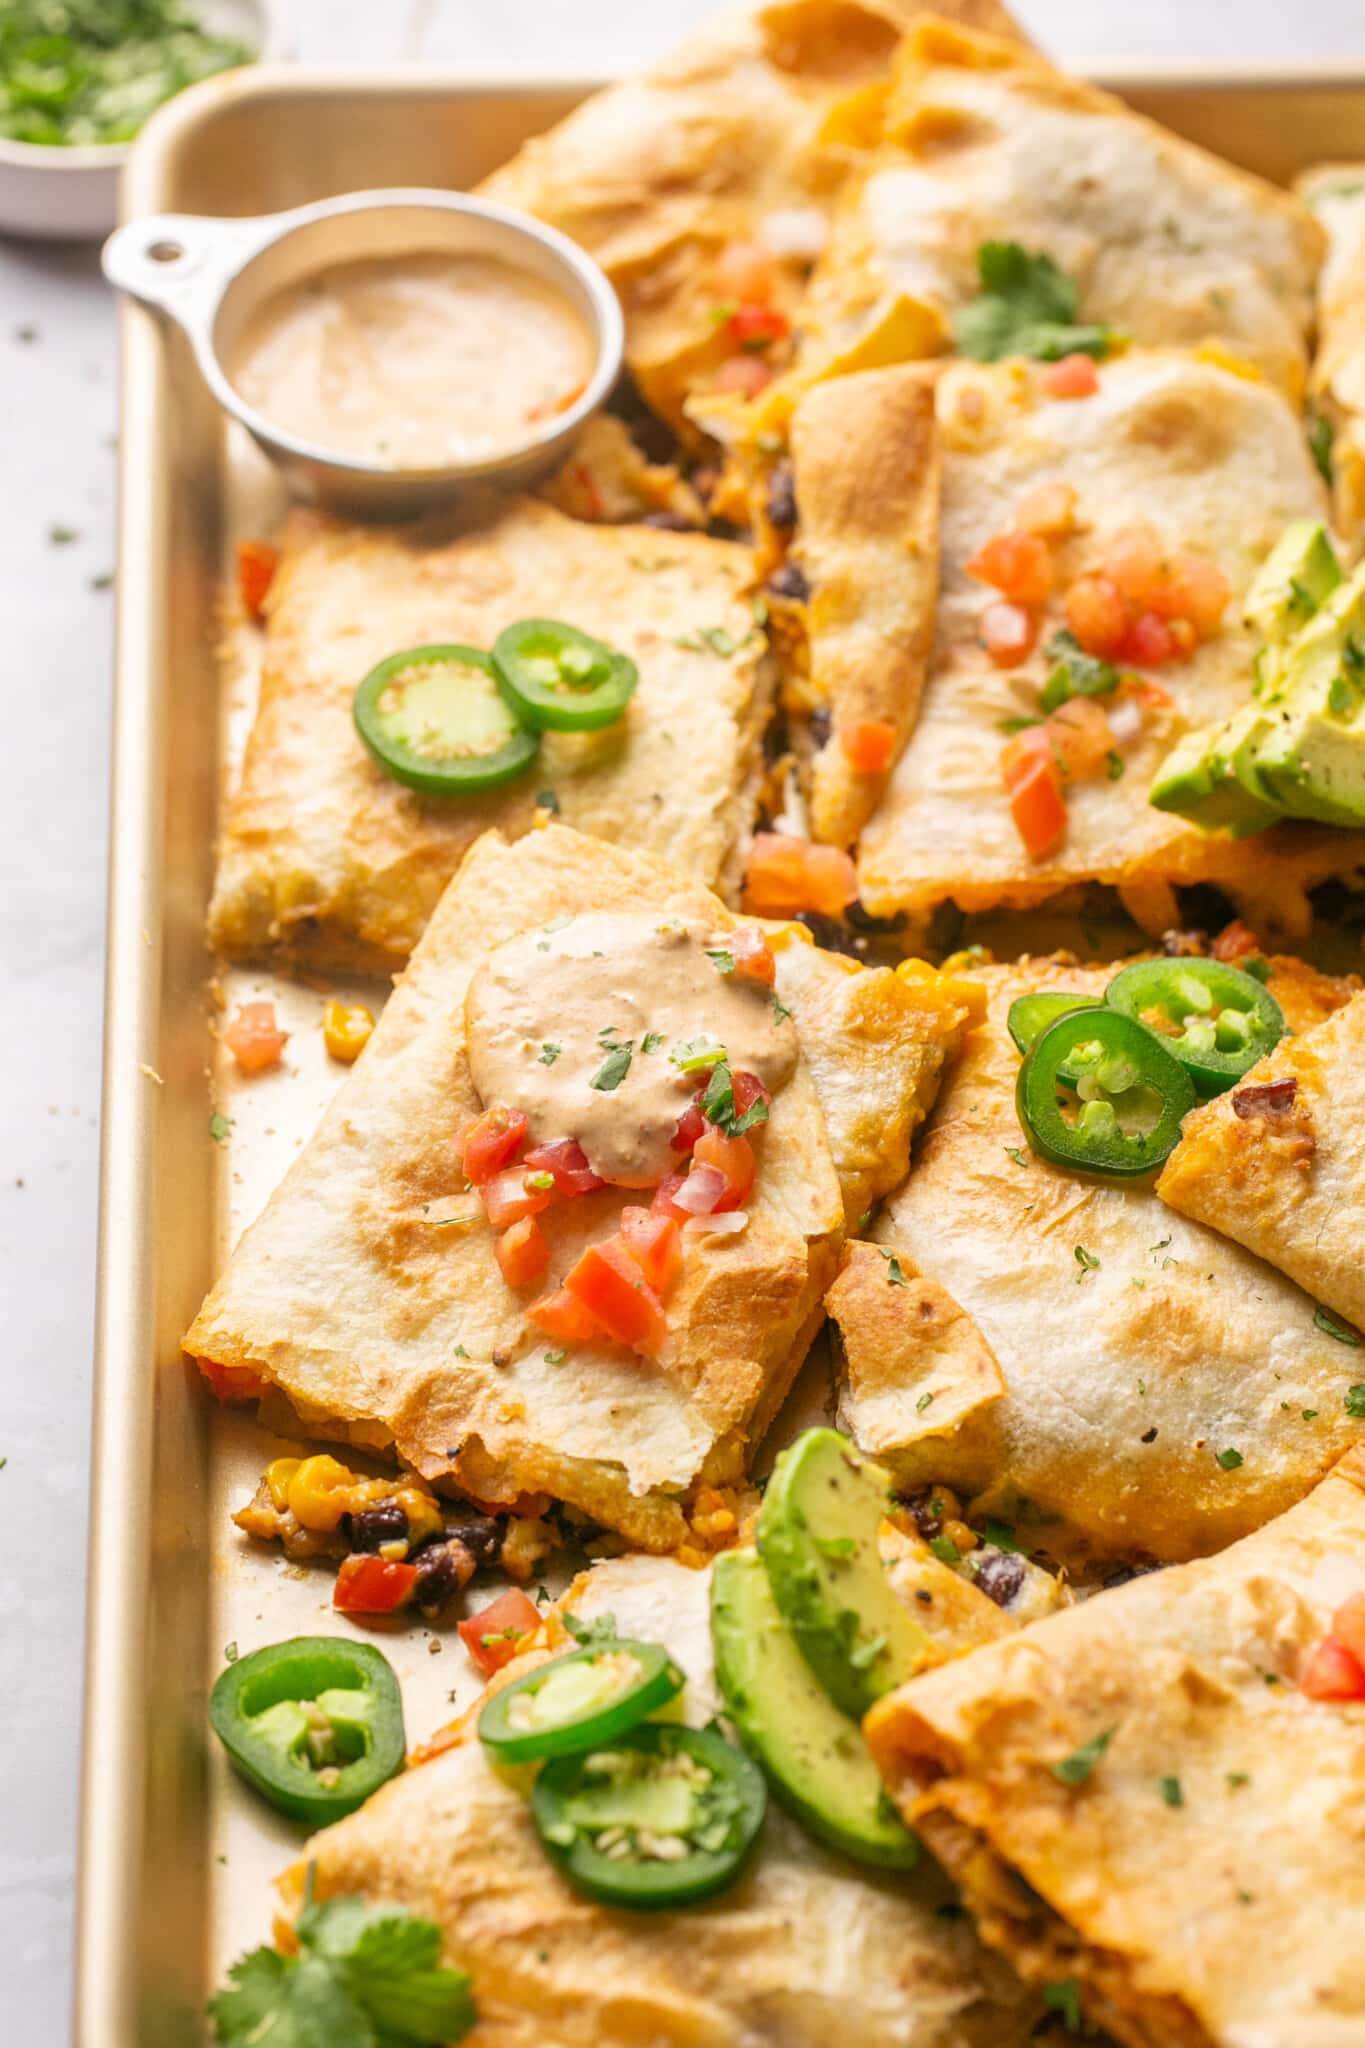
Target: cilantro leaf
{"points": [[1172, 1791], [1087, 1262], [1320, 439], [1026, 307], [591, 1635], [718, 1104], [1065, 1997], [549, 1053], [1077, 674], [613, 1069], [723, 962], [1354, 1402], [894, 1276], [1076, 1768], [367, 1977], [694, 1054], [780, 1010], [1326, 1322], [1229, 1459], [219, 1127]]}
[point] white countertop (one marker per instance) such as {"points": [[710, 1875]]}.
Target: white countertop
{"points": [[58, 406]]}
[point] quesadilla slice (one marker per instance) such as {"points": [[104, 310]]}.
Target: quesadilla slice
{"points": [[977, 143], [1276, 1164], [704, 187], [612, 1312], [327, 859], [1336, 194], [1111, 1380], [1152, 1802], [805, 1944], [1055, 512]]}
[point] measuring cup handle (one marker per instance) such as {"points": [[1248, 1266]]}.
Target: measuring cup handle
{"points": [[178, 263]]}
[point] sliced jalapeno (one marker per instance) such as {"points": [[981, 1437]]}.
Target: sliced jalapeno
{"points": [[560, 678], [1122, 1116], [315, 1724], [1215, 1019], [663, 1817], [437, 719], [578, 1702], [1029, 1017]]}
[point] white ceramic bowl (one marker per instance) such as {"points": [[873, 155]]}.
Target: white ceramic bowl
{"points": [[52, 193]]}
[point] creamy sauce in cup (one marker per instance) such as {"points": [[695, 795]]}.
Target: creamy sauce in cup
{"points": [[415, 362]]}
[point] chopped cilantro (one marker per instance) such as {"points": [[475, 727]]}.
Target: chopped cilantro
{"points": [[1017, 1154], [723, 962], [945, 1549], [1330, 1327], [1354, 1399], [1076, 674], [1320, 439], [1114, 765], [230, 1653], [1002, 1536], [541, 1182], [219, 1126], [365, 1974], [718, 1104], [549, 1053], [613, 1070], [922, 1403], [1026, 307], [1310, 1414], [894, 1276], [710, 640], [1065, 1997], [62, 536], [1172, 1791], [591, 1635], [1076, 1768], [1229, 1459], [695, 1054], [780, 1010], [1236, 1780], [547, 800], [555, 1357], [651, 1041], [460, 1352], [1087, 1262]]}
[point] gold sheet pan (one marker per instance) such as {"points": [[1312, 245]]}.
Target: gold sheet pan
{"points": [[174, 1861]]}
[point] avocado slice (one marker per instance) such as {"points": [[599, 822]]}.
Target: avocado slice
{"points": [[1294, 581], [813, 1756], [1198, 780], [1310, 758], [817, 1536]]}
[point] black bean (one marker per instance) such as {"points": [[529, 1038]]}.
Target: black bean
{"points": [[820, 725], [999, 1575], [921, 1511], [829, 933], [782, 498], [372, 1528], [480, 1535], [790, 581], [443, 1570]]}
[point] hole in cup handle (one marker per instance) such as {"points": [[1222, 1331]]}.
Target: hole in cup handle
{"points": [[174, 262]]}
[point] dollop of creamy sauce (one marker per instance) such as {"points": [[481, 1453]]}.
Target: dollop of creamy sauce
{"points": [[582, 1025], [412, 362]]}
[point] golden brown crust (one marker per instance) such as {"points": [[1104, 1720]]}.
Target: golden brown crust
{"points": [[328, 860], [802, 1949], [1123, 1379], [1214, 463], [347, 1297], [1184, 1883], [1336, 193], [1284, 1177]]}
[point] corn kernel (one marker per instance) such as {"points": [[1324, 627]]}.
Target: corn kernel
{"points": [[346, 1031], [321, 1492], [423, 1513], [277, 1477]]}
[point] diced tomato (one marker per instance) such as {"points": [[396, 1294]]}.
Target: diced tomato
{"points": [[786, 874], [1332, 1673], [568, 1162], [1034, 783], [755, 327], [563, 1317], [1234, 940], [732, 1158], [491, 1142], [1073, 377], [610, 1285], [1049, 509], [367, 1584], [1008, 633], [230, 1384], [522, 1253], [744, 375], [748, 1090], [1096, 614], [1193, 589], [1348, 1626], [494, 1636], [700, 1192], [1081, 737], [752, 955], [869, 744], [1018, 565], [1147, 693], [257, 562], [688, 1128], [254, 1039], [655, 1243], [665, 1195], [1148, 641], [1134, 562], [745, 271], [507, 1199]]}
